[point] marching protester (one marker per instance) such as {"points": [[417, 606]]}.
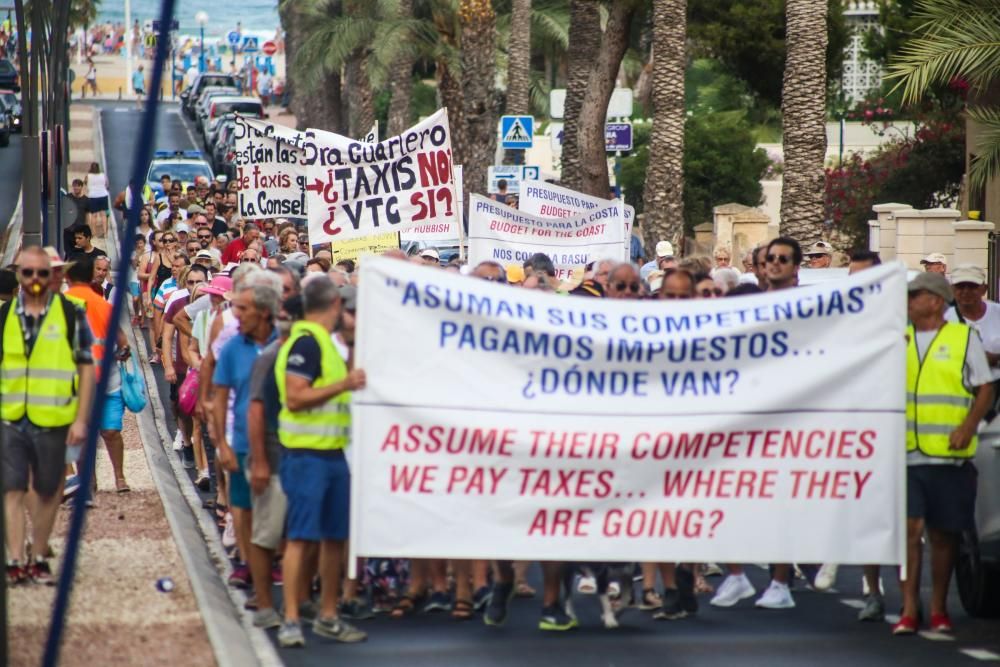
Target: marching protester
{"points": [[47, 384]]}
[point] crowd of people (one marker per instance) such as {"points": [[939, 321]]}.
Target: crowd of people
{"points": [[254, 329]]}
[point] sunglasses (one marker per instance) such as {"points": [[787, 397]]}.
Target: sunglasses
{"points": [[632, 287], [192, 283], [31, 273], [244, 260], [710, 292], [205, 236], [170, 240], [780, 259]]}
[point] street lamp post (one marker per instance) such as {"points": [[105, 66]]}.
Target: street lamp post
{"points": [[202, 19]]}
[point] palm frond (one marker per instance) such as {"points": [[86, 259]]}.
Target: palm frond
{"points": [[966, 43], [986, 162], [551, 24], [538, 93]]}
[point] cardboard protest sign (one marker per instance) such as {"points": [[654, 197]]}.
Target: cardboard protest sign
{"points": [[366, 246], [440, 231], [356, 189], [271, 167], [554, 201], [629, 430], [502, 234]]}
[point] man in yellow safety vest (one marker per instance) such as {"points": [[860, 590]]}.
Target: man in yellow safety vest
{"points": [[46, 384], [948, 391], [314, 427]]}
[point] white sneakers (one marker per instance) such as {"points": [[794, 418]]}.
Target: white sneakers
{"points": [[178, 441], [734, 588], [826, 577], [777, 596]]}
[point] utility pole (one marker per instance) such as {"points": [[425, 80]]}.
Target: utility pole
{"points": [[31, 200]]}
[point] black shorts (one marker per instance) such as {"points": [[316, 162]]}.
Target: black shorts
{"points": [[36, 453], [944, 496], [97, 204], [175, 392]]}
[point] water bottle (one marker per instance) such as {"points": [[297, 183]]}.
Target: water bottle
{"points": [[165, 584]]}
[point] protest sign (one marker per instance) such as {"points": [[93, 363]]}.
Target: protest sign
{"points": [[271, 167], [440, 231], [765, 428], [554, 201], [502, 234], [366, 246], [356, 189]]}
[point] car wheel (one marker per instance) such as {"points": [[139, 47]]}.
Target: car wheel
{"points": [[978, 581]]}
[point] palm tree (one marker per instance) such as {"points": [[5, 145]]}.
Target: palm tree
{"points": [[803, 109], [584, 43], [958, 39], [401, 80], [663, 198], [519, 58], [322, 108], [478, 21]]}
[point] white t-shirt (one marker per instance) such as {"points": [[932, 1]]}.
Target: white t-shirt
{"points": [[975, 373], [988, 328], [97, 186], [163, 215]]}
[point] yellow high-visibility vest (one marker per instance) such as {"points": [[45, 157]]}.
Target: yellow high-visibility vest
{"points": [[325, 427], [42, 385], [937, 400]]}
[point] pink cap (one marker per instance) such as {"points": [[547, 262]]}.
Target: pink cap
{"points": [[220, 286]]}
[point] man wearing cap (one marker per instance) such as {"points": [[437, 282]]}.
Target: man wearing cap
{"points": [[430, 256], [46, 382], [664, 259], [968, 282], [820, 255], [935, 263], [949, 390]]}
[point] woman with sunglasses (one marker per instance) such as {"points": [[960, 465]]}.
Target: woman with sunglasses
{"points": [[161, 271]]}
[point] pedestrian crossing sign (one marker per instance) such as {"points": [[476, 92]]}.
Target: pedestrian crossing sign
{"points": [[516, 131]]}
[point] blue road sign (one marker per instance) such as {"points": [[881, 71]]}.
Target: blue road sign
{"points": [[233, 37], [618, 137], [249, 45], [516, 131]]}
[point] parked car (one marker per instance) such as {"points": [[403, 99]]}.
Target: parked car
{"points": [[9, 97], [9, 78], [5, 126], [977, 571], [222, 146], [205, 102], [215, 127], [225, 162], [221, 106], [189, 97]]}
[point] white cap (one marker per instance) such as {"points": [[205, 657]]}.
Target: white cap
{"points": [[664, 249], [182, 227], [431, 253], [968, 273], [934, 258]]}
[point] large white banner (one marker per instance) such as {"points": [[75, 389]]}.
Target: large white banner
{"points": [[447, 230], [503, 234], [548, 200], [513, 424], [356, 189]]}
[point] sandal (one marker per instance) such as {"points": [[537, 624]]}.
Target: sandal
{"points": [[701, 585], [523, 590], [405, 606], [462, 610], [121, 485], [650, 600]]}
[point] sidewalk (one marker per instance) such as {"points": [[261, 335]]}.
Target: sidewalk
{"points": [[117, 616]]}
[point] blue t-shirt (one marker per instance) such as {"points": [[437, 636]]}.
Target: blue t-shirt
{"points": [[138, 83], [233, 369]]}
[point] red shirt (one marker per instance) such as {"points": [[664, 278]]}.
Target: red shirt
{"points": [[233, 251]]}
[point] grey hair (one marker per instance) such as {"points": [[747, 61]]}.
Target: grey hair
{"points": [[266, 287], [319, 293], [281, 270]]}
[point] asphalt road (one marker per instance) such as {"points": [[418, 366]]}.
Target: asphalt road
{"points": [[10, 179], [821, 630]]}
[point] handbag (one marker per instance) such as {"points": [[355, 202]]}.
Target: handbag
{"points": [[187, 393], [133, 387]]}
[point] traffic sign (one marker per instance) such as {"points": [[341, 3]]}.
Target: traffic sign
{"points": [[174, 25], [249, 45], [511, 173], [620, 105], [233, 37], [516, 131], [618, 137], [269, 48]]}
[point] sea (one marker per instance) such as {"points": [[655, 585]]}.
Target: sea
{"points": [[255, 16]]}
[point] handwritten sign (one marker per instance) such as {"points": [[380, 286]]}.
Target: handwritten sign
{"points": [[553, 201]]}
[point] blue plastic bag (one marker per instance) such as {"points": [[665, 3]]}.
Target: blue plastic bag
{"points": [[133, 387]]}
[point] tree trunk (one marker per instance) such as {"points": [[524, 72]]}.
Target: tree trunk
{"points": [[519, 67], [361, 99], [401, 83], [478, 22], [663, 198], [584, 42], [803, 109], [321, 108], [594, 111]]}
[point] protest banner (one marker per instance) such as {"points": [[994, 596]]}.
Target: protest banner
{"points": [[356, 189], [553, 201], [765, 428], [503, 234], [366, 246], [271, 167], [440, 231]]}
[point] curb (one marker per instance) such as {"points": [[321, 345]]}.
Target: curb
{"points": [[235, 641]]}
